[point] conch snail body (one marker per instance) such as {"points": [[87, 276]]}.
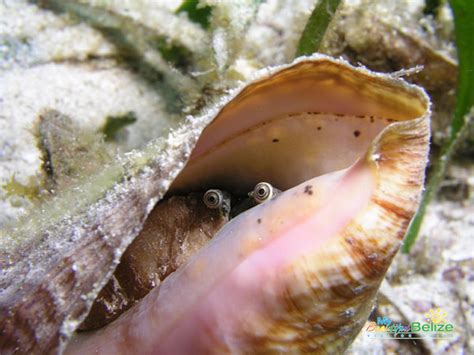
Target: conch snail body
{"points": [[298, 272], [175, 229]]}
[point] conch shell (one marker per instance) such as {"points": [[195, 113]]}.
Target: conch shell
{"points": [[296, 273]]}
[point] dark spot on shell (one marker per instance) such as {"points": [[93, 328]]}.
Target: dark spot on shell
{"points": [[319, 128], [360, 116], [362, 251], [372, 257], [390, 120], [259, 221], [359, 289], [356, 133], [275, 140], [348, 313], [372, 120], [308, 189], [338, 114]]}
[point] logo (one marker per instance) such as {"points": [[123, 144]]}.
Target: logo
{"points": [[435, 326], [436, 316]]}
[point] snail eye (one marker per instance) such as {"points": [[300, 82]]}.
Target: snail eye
{"points": [[213, 198], [262, 192], [218, 199]]}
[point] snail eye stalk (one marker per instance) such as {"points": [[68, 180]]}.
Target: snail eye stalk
{"points": [[217, 199], [263, 191]]}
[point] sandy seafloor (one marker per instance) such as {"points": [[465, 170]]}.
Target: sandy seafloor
{"points": [[43, 64]]}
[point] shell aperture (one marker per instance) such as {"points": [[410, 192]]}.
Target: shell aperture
{"points": [[349, 148]]}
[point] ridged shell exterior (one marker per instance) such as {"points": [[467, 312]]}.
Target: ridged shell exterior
{"points": [[330, 294]]}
